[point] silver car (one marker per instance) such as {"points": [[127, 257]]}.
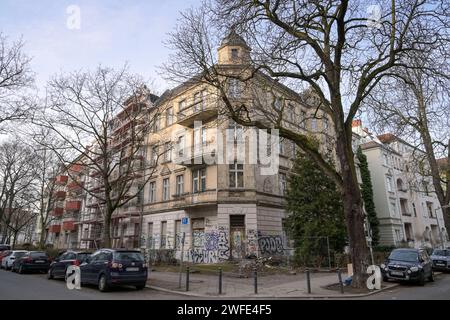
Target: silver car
{"points": [[441, 259]]}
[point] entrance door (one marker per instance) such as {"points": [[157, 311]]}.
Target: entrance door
{"points": [[237, 234]]}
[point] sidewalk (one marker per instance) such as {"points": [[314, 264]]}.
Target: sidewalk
{"points": [[269, 286]]}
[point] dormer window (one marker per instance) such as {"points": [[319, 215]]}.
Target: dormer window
{"points": [[234, 53]]}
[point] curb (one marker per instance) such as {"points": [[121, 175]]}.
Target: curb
{"points": [[312, 296]]}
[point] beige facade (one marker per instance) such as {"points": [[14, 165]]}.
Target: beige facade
{"points": [[407, 208], [232, 208]]}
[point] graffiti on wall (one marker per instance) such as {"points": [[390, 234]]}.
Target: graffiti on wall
{"points": [[198, 239], [271, 245], [252, 243], [223, 246], [203, 256], [211, 240]]}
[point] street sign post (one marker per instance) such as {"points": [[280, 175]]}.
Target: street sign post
{"points": [[184, 228]]}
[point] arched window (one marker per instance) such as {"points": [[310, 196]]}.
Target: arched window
{"points": [[400, 185]]}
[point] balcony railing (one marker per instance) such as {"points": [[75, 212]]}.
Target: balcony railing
{"points": [[199, 111], [73, 205], [56, 228], [194, 155], [57, 212], [69, 225]]}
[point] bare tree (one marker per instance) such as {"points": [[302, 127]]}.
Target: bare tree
{"points": [[103, 118], [15, 77], [415, 103], [332, 48], [17, 172]]}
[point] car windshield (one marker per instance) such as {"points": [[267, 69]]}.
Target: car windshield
{"points": [[128, 256], [409, 256], [19, 254], [38, 255], [441, 253]]}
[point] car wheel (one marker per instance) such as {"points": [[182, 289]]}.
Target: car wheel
{"points": [[421, 279], [49, 274], [140, 287], [431, 277], [102, 285]]}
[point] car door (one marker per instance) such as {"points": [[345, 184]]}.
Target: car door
{"points": [[86, 268], [57, 267], [99, 265]]}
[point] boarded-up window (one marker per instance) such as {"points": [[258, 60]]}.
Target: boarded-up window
{"points": [[198, 232], [237, 220]]}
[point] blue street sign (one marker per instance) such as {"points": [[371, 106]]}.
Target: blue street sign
{"points": [[185, 220]]}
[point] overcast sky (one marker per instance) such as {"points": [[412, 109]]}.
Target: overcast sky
{"points": [[112, 32]]}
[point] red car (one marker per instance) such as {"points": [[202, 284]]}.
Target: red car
{"points": [[4, 254]]}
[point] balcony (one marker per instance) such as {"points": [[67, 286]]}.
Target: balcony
{"points": [[73, 205], [56, 228], [69, 225], [59, 195], [193, 156], [61, 180], [198, 111], [198, 199], [57, 212], [75, 186]]}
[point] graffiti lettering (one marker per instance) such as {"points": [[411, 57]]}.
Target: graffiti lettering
{"points": [[203, 256], [271, 244]]}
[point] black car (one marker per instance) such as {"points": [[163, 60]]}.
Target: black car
{"points": [[4, 247], [408, 265], [441, 259], [32, 261], [109, 267], [58, 267]]}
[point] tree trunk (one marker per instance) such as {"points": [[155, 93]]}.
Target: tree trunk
{"points": [[354, 215], [42, 236], [107, 230]]}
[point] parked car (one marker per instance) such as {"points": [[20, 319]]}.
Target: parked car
{"points": [[4, 254], [32, 261], [408, 265], [8, 261], [108, 267], [4, 247], [58, 267], [441, 259]]}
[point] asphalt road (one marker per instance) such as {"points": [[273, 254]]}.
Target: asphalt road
{"points": [[437, 290], [15, 286]]}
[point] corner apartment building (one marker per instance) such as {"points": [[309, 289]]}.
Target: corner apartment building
{"points": [[407, 208], [228, 209]]}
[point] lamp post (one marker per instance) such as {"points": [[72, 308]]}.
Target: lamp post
{"points": [[439, 227]]}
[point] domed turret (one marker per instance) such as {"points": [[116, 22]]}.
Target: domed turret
{"points": [[233, 49]]}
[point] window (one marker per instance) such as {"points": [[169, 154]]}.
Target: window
{"points": [[394, 209], [303, 119], [180, 146], [169, 116], [278, 103], [154, 158], [167, 152], [283, 183], [163, 234], [326, 124], [398, 235], [389, 185], [166, 189], [152, 187], [203, 136], [414, 209], [181, 105], [236, 175], [237, 131], [199, 180], [281, 147], [430, 210], [313, 124], [385, 159], [234, 90], [234, 53], [157, 124], [151, 243], [197, 99], [180, 185], [290, 113]]}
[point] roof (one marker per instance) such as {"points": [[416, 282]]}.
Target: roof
{"points": [[233, 39], [369, 145], [387, 137]]}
